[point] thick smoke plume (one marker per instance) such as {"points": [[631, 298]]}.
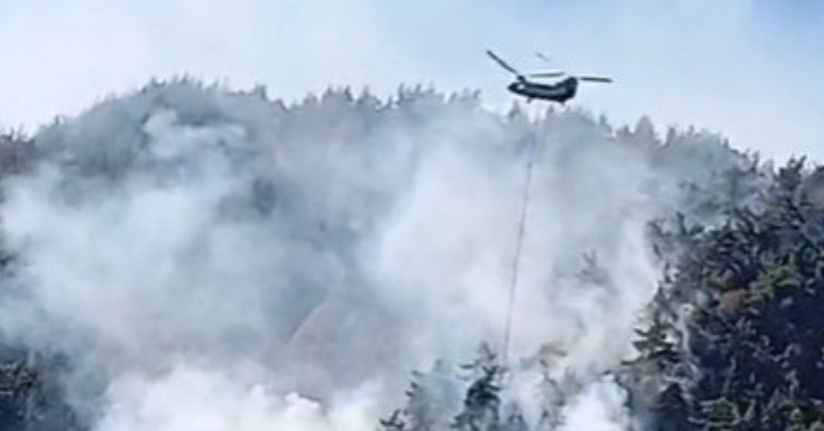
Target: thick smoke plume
{"points": [[214, 260]]}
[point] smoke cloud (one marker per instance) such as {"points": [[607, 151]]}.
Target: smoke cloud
{"points": [[214, 260]]}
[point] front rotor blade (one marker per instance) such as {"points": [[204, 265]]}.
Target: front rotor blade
{"points": [[502, 63]]}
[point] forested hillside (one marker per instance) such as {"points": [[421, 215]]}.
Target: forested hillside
{"points": [[189, 255]]}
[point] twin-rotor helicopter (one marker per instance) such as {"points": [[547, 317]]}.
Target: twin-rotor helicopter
{"points": [[559, 92]]}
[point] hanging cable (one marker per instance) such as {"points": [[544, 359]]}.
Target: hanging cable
{"points": [[516, 262]]}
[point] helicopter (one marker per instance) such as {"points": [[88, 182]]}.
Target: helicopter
{"points": [[559, 92]]}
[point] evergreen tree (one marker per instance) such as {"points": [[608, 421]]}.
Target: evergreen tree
{"points": [[430, 399], [755, 340], [481, 407]]}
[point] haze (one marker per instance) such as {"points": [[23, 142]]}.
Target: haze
{"points": [[747, 68]]}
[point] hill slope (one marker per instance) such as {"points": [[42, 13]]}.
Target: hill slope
{"points": [[189, 244]]}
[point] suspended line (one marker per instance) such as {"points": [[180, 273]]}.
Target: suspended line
{"points": [[519, 243]]}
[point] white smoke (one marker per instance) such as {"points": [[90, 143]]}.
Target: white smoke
{"points": [[203, 254], [598, 409], [190, 399]]}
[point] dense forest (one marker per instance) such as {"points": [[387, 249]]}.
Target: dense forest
{"points": [[730, 337]]}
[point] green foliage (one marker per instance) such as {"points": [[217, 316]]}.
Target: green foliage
{"points": [[429, 405], [30, 396], [481, 409], [756, 335]]}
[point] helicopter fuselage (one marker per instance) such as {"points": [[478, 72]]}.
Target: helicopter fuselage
{"points": [[559, 92]]}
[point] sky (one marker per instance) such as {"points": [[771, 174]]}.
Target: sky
{"points": [[749, 69], [746, 68]]}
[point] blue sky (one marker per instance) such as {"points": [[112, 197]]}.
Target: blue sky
{"points": [[751, 69]]}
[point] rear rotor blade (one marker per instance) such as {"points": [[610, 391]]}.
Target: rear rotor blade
{"points": [[542, 57], [502, 63], [594, 79], [546, 74]]}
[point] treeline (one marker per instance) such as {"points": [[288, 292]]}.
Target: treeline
{"points": [[735, 339]]}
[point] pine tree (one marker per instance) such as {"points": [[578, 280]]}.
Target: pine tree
{"points": [[429, 399], [481, 408]]}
